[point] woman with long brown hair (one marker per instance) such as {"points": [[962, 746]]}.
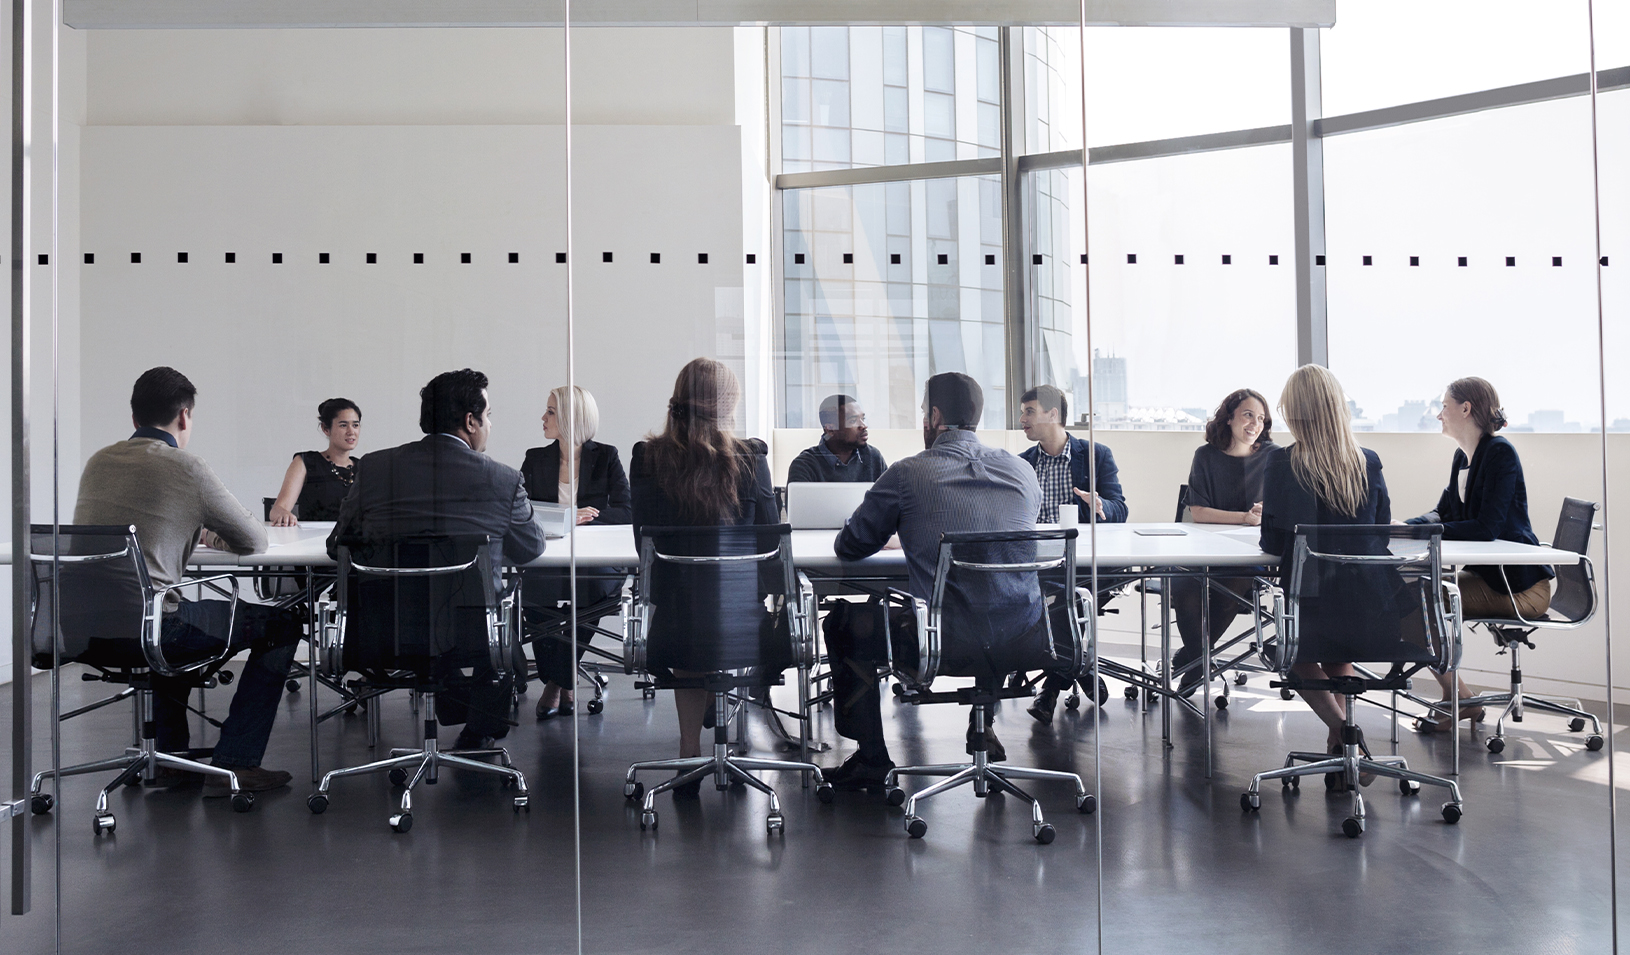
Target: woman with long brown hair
{"points": [[1324, 478], [697, 473]]}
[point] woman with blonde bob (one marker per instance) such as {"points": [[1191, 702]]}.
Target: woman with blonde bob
{"points": [[1324, 478], [570, 420]]}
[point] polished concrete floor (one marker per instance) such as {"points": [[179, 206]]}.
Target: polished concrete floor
{"points": [[1526, 870]]}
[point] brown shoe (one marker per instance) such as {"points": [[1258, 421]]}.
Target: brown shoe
{"points": [[251, 779]]}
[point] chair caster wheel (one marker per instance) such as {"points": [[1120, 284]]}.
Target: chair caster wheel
{"points": [[1131, 694], [1239, 679], [899, 690], [225, 677], [133, 780], [1086, 805], [1593, 743], [1220, 702], [523, 803], [916, 828], [633, 790], [1496, 744], [1072, 702], [1451, 813], [894, 796], [398, 777], [823, 792], [1408, 787], [1352, 827], [1285, 694], [648, 820], [105, 824], [1043, 832], [648, 693], [1250, 802], [243, 802], [402, 822], [41, 804], [317, 803], [1291, 783], [1575, 725], [596, 707], [774, 824], [293, 686]]}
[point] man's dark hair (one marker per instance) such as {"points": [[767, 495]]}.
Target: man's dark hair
{"points": [[159, 396], [1049, 398], [958, 397], [448, 398], [833, 414]]}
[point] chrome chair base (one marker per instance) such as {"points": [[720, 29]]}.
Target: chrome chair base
{"points": [[1352, 763], [409, 767], [724, 768], [1513, 701], [984, 778]]}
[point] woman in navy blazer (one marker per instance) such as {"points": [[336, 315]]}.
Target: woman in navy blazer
{"points": [[602, 498], [1485, 500]]}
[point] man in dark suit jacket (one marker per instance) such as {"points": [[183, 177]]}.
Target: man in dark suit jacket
{"points": [[446, 484]]}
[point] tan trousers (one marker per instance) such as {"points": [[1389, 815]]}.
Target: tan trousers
{"points": [[1479, 600]]}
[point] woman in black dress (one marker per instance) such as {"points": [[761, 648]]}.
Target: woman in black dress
{"points": [[695, 473], [570, 420], [317, 481]]}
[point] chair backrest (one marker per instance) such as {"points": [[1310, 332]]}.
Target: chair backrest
{"points": [[266, 508], [93, 579], [1574, 599], [1363, 593], [987, 614], [404, 601], [1182, 503], [700, 599]]}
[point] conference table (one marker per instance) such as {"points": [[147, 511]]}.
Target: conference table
{"points": [[1146, 550]]}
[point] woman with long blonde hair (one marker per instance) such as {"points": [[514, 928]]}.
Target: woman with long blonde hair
{"points": [[1324, 478]]}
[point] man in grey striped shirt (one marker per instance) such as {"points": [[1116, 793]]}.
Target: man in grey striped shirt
{"points": [[957, 484]]}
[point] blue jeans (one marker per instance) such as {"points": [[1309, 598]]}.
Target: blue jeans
{"points": [[197, 629]]}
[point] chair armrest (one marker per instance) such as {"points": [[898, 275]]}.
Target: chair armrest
{"points": [[635, 628], [152, 630], [802, 619], [928, 639]]}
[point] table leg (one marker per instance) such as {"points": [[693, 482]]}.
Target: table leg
{"points": [[1165, 662], [311, 666], [1205, 660]]}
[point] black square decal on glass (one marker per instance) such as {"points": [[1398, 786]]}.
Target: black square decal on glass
{"points": [[1556, 261], [1035, 259], [701, 258], [45, 259], [752, 258], [277, 258], [1131, 258], [90, 258], [560, 258], [848, 258], [990, 259], [1177, 260], [1369, 260], [514, 258], [1510, 260], [605, 256], [1083, 258], [418, 258], [1604, 261], [135, 258], [373, 258], [322, 258], [1414, 260], [894, 258], [1318, 260], [1228, 260], [231, 258], [1273, 260], [1461, 261], [798, 258], [181, 257], [656, 258], [464, 258], [944, 259]]}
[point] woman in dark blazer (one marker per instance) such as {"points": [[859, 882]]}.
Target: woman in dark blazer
{"points": [[602, 498], [1486, 500], [695, 473]]}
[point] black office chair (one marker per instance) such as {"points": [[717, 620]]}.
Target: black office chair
{"points": [[397, 610], [1366, 594], [966, 642], [699, 605], [109, 616], [1573, 603]]}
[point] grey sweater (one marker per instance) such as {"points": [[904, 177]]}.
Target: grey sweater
{"points": [[169, 495]]}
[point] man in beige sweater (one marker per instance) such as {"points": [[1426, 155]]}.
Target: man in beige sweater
{"points": [[172, 498]]}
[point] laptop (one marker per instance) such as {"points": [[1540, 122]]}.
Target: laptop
{"points": [[817, 505]]}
